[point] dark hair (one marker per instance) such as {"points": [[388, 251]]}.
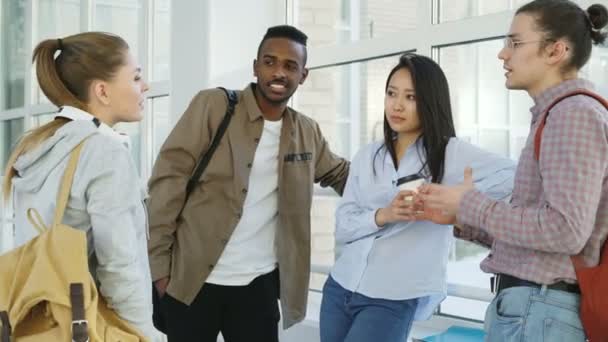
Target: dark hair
{"points": [[565, 19], [285, 31], [434, 112]]}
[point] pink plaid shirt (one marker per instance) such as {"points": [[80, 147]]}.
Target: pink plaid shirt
{"points": [[559, 205]]}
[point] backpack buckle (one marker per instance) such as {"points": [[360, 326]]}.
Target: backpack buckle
{"points": [[79, 330]]}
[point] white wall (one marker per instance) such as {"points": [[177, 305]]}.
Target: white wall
{"points": [[215, 42], [237, 27]]}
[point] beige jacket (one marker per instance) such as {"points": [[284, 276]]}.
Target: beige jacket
{"points": [[186, 249]]}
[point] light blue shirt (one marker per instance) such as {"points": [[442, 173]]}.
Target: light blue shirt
{"points": [[404, 260]]}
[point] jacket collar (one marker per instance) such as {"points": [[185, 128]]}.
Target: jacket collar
{"points": [[76, 114]]}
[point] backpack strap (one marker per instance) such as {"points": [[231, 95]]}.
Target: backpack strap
{"points": [[541, 126], [206, 155], [36, 220], [577, 260], [79, 323], [66, 183], [5, 336]]}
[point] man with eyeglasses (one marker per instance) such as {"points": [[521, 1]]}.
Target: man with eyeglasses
{"points": [[559, 206]]}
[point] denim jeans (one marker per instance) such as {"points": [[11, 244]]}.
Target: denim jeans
{"points": [[351, 317], [528, 314]]}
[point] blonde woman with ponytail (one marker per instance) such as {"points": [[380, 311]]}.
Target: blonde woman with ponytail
{"points": [[95, 81]]}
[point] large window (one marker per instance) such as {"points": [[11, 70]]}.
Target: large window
{"points": [[339, 21], [485, 113], [450, 10], [49, 23]]}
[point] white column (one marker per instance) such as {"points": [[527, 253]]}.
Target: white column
{"points": [[189, 52]]}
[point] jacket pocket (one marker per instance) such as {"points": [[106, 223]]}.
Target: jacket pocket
{"points": [[297, 185]]}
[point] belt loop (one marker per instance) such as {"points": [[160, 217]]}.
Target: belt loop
{"points": [[543, 290]]}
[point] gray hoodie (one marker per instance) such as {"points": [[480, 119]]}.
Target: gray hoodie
{"points": [[106, 201]]}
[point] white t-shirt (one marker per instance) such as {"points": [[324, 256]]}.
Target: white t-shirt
{"points": [[250, 252]]}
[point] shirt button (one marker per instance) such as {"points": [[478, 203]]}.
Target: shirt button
{"points": [[249, 165], [211, 266], [238, 215], [224, 241], [244, 191], [256, 140]]}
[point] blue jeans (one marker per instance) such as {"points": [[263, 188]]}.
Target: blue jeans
{"points": [[528, 314], [351, 317]]}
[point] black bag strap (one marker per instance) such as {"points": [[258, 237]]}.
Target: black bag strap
{"points": [[5, 336], [206, 155], [80, 324]]}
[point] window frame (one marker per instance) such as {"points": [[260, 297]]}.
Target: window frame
{"points": [[30, 109]]}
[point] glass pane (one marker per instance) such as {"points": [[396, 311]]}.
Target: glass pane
{"points": [[12, 54], [342, 98], [161, 123], [458, 64], [519, 142], [120, 17], [6, 235], [463, 269], [450, 10], [42, 119], [322, 236], [338, 21], [482, 105], [51, 24], [10, 132], [462, 307], [492, 85], [133, 130], [519, 107], [596, 69], [496, 141], [161, 42]]}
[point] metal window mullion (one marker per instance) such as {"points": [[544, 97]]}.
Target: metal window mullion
{"points": [[159, 88], [86, 15], [146, 48], [424, 11], [14, 113], [27, 77]]}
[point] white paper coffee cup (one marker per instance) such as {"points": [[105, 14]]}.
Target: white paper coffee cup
{"points": [[411, 183]]}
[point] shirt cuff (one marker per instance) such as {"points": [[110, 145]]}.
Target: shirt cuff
{"points": [[372, 221], [472, 208]]}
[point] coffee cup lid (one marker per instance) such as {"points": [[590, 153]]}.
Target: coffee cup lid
{"points": [[409, 178]]}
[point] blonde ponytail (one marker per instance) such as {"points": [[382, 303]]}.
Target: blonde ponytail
{"points": [[65, 80]]}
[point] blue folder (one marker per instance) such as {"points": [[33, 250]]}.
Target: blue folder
{"points": [[457, 334]]}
